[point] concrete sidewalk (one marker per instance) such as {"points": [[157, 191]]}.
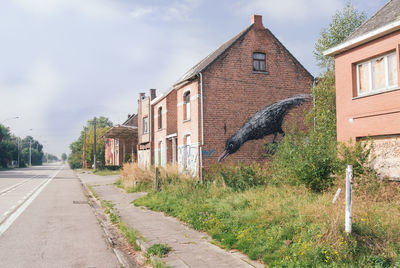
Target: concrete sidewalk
{"points": [[190, 248]]}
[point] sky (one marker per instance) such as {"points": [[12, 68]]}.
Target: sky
{"points": [[63, 62]]}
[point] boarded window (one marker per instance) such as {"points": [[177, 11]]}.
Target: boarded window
{"points": [[160, 118], [377, 75], [186, 106], [145, 125]]}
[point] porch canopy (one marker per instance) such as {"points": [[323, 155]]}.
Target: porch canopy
{"points": [[122, 132]]}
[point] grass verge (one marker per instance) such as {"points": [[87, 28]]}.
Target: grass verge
{"points": [[105, 172], [130, 234], [286, 225]]}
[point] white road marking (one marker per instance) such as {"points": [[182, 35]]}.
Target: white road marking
{"points": [[15, 186], [11, 218]]}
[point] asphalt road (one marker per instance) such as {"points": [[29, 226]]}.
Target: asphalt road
{"points": [[45, 221]]}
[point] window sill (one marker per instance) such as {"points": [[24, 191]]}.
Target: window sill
{"points": [[260, 72], [375, 93], [187, 120]]}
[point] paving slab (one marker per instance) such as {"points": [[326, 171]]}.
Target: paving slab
{"points": [[190, 248]]}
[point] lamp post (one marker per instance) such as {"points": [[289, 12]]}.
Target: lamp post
{"points": [[7, 119]]}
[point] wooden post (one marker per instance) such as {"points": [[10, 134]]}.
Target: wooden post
{"points": [[349, 181], [156, 184]]}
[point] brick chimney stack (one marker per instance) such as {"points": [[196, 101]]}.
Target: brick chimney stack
{"points": [[257, 21], [152, 94]]}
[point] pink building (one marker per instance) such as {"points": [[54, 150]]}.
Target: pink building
{"points": [[367, 87]]}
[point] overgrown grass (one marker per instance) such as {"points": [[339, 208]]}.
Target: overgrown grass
{"points": [[287, 225]]}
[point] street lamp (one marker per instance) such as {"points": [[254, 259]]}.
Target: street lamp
{"points": [[7, 119]]}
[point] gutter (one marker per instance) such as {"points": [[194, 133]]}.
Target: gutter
{"points": [[384, 30], [202, 126]]}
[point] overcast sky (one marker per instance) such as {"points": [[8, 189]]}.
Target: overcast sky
{"points": [[65, 61]]}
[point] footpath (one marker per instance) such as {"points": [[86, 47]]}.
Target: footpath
{"points": [[190, 248]]}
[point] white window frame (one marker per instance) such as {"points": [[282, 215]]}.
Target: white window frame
{"points": [[369, 62], [146, 130], [186, 105]]}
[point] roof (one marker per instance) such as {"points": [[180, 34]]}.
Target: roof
{"points": [[207, 61], [383, 22], [129, 118], [122, 132]]}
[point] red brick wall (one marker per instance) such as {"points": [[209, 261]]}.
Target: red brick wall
{"points": [[233, 92]]}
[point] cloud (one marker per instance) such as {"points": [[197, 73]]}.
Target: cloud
{"points": [[87, 8], [141, 12], [291, 10]]}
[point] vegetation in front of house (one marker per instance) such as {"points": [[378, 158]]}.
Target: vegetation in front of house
{"points": [[286, 225]]}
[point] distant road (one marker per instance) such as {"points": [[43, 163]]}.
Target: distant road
{"points": [[45, 221]]}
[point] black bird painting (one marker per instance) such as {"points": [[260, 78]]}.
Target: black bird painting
{"points": [[265, 122]]}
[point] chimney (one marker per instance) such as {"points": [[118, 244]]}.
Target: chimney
{"points": [[257, 21], [152, 94]]}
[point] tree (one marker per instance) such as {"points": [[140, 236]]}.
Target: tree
{"points": [[342, 25], [63, 157], [75, 157]]}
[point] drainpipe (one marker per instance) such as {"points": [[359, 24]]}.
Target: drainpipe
{"points": [[202, 126]]}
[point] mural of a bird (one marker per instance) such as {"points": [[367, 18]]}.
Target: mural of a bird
{"points": [[265, 122]]}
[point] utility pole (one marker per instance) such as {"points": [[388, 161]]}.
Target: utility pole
{"points": [[94, 144], [84, 149]]}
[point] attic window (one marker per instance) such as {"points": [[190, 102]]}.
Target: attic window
{"points": [[377, 75], [259, 62]]}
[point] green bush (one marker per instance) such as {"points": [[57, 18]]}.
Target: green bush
{"points": [[357, 155]]}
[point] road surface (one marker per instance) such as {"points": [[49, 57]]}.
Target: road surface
{"points": [[45, 221]]}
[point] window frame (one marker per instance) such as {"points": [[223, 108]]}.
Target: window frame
{"points": [[145, 129], [160, 117], [259, 61], [387, 87], [186, 106]]}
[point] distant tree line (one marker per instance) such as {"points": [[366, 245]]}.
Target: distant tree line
{"points": [[75, 158], [11, 145]]}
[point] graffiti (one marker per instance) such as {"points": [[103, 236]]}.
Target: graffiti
{"points": [[207, 153], [263, 123], [144, 158], [188, 159]]}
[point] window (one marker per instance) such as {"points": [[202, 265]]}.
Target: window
{"points": [[145, 125], [160, 118], [259, 62], [186, 106], [377, 75]]}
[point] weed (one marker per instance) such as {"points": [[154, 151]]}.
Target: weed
{"points": [[159, 250]]}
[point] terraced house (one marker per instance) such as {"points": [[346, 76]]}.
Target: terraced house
{"points": [[367, 87], [190, 123]]}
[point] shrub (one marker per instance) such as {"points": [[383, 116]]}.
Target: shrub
{"points": [[356, 154]]}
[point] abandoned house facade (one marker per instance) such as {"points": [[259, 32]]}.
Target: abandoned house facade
{"points": [[367, 87], [121, 142], [190, 123]]}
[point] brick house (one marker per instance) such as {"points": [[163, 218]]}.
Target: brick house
{"points": [[367, 87], [212, 100], [121, 142]]}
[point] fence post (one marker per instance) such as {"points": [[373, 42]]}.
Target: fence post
{"points": [[349, 181], [156, 184]]}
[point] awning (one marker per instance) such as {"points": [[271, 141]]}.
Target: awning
{"points": [[122, 132]]}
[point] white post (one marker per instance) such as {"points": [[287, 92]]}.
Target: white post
{"points": [[349, 181]]}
